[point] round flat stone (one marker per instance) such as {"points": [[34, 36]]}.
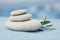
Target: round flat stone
{"points": [[31, 25], [20, 17], [19, 12]]}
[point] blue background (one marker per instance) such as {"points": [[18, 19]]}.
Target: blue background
{"points": [[37, 9]]}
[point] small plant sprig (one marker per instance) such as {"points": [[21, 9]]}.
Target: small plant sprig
{"points": [[47, 27]]}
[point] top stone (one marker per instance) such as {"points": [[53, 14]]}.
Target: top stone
{"points": [[19, 12]]}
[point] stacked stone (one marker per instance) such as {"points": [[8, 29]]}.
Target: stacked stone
{"points": [[21, 20]]}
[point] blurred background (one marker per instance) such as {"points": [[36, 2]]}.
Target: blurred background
{"points": [[38, 8]]}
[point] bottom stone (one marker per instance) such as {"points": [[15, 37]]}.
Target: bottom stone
{"points": [[31, 25]]}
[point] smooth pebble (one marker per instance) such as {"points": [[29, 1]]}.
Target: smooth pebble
{"points": [[19, 12], [20, 17], [31, 25]]}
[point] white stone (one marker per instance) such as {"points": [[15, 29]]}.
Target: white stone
{"points": [[20, 17], [31, 25], [17, 12]]}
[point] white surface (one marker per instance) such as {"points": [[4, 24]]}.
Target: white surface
{"points": [[6, 34]]}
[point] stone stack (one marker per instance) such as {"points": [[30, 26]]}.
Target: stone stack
{"points": [[21, 20]]}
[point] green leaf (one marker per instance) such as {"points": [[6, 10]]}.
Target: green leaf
{"points": [[45, 22], [49, 25], [50, 28]]}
